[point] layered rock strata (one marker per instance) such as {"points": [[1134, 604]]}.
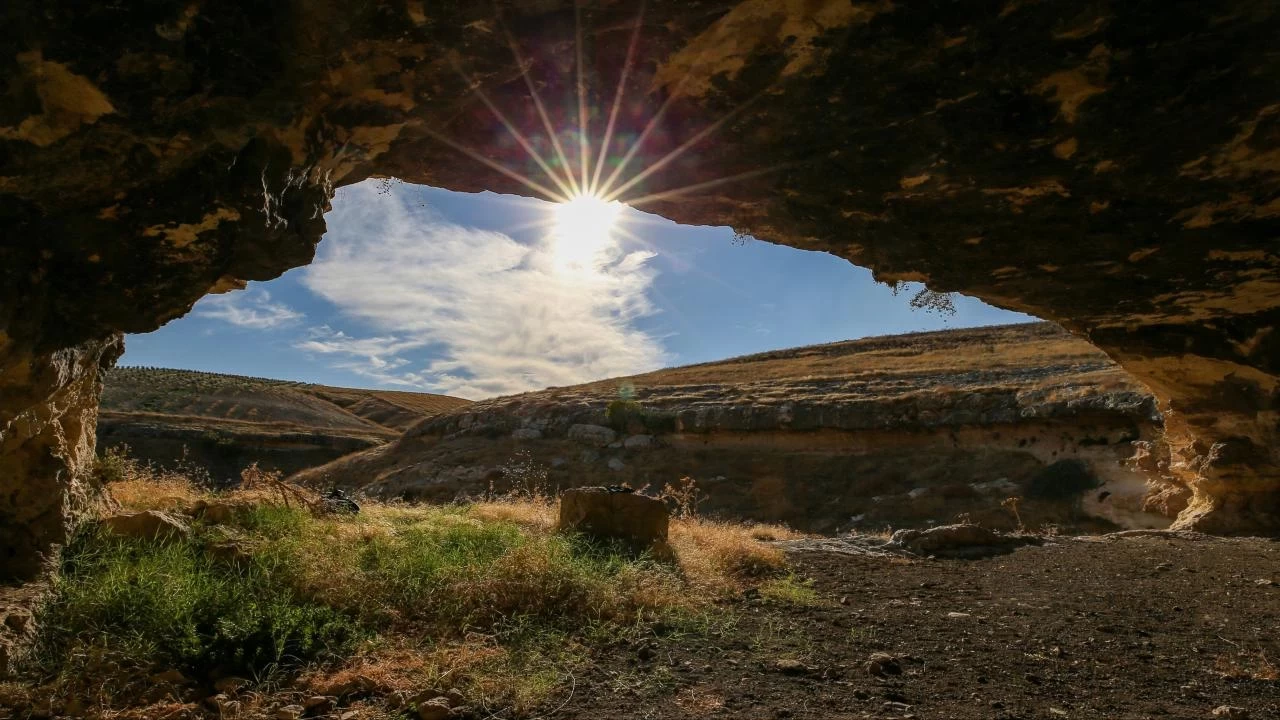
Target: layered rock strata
{"points": [[897, 431]]}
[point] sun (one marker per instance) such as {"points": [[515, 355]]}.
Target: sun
{"points": [[583, 229]]}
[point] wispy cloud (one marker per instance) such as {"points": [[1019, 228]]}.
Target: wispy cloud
{"points": [[494, 316], [248, 309]]}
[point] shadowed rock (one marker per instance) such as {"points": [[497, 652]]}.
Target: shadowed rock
{"points": [[609, 515]]}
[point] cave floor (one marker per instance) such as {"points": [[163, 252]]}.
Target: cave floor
{"points": [[1103, 627]]}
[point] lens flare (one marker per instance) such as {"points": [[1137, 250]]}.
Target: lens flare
{"points": [[583, 230]]}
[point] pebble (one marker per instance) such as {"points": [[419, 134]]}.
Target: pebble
{"points": [[787, 666], [1231, 712], [883, 664], [289, 712]]}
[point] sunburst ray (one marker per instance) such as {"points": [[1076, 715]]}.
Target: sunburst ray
{"points": [[671, 156], [542, 111], [515, 133], [594, 187], [546, 192]]}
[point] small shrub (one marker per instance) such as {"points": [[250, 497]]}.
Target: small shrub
{"points": [[684, 495], [622, 415]]}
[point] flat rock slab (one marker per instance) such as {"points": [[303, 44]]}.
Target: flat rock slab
{"points": [[146, 525]]}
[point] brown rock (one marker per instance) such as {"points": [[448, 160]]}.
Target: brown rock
{"points": [[230, 685], [957, 540], [146, 525], [629, 516], [218, 512], [883, 664], [437, 708]]}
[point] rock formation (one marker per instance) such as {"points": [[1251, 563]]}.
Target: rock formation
{"points": [[900, 431], [1112, 166]]}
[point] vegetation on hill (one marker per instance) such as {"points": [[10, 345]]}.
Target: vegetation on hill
{"points": [[225, 422], [217, 396]]}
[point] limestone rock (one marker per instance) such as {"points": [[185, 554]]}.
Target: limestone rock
{"points": [[638, 442], [48, 415], [597, 512], [146, 525], [593, 435]]}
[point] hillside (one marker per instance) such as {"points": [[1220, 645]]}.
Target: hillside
{"points": [[897, 430], [225, 422]]}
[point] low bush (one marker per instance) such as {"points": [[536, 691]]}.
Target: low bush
{"points": [[169, 604]]}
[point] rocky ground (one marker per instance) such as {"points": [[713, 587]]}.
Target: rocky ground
{"points": [[1147, 626], [891, 431]]}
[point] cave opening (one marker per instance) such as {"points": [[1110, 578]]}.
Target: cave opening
{"points": [[482, 294]]}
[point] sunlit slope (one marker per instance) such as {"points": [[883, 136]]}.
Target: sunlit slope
{"points": [[225, 422], [897, 430]]}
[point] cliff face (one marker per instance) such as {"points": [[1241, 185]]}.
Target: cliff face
{"points": [[1114, 167], [902, 430]]}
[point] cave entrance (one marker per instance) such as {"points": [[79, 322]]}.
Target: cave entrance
{"points": [[479, 294]]}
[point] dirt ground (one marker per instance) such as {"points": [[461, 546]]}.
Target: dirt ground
{"points": [[1104, 627]]}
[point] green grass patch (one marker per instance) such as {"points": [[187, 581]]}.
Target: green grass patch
{"points": [[790, 590], [168, 604], [487, 599]]}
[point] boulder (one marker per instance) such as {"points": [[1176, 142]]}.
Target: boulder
{"points": [[601, 513], [593, 435], [638, 442], [526, 434], [146, 525]]}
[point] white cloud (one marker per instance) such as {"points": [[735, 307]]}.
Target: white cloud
{"points": [[248, 309], [495, 316]]}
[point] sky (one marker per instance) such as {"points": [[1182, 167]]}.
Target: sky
{"points": [[479, 295]]}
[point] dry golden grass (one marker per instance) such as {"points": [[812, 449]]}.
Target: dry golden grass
{"points": [[1247, 665], [138, 486], [487, 599], [1012, 346]]}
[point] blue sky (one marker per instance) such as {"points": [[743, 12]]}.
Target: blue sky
{"points": [[478, 295]]}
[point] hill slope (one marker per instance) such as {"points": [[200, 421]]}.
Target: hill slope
{"points": [[896, 430], [225, 422]]}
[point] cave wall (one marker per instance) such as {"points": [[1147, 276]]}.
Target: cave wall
{"points": [[1113, 166]]}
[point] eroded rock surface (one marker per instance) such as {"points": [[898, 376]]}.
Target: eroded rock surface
{"points": [[1113, 166], [902, 431]]}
